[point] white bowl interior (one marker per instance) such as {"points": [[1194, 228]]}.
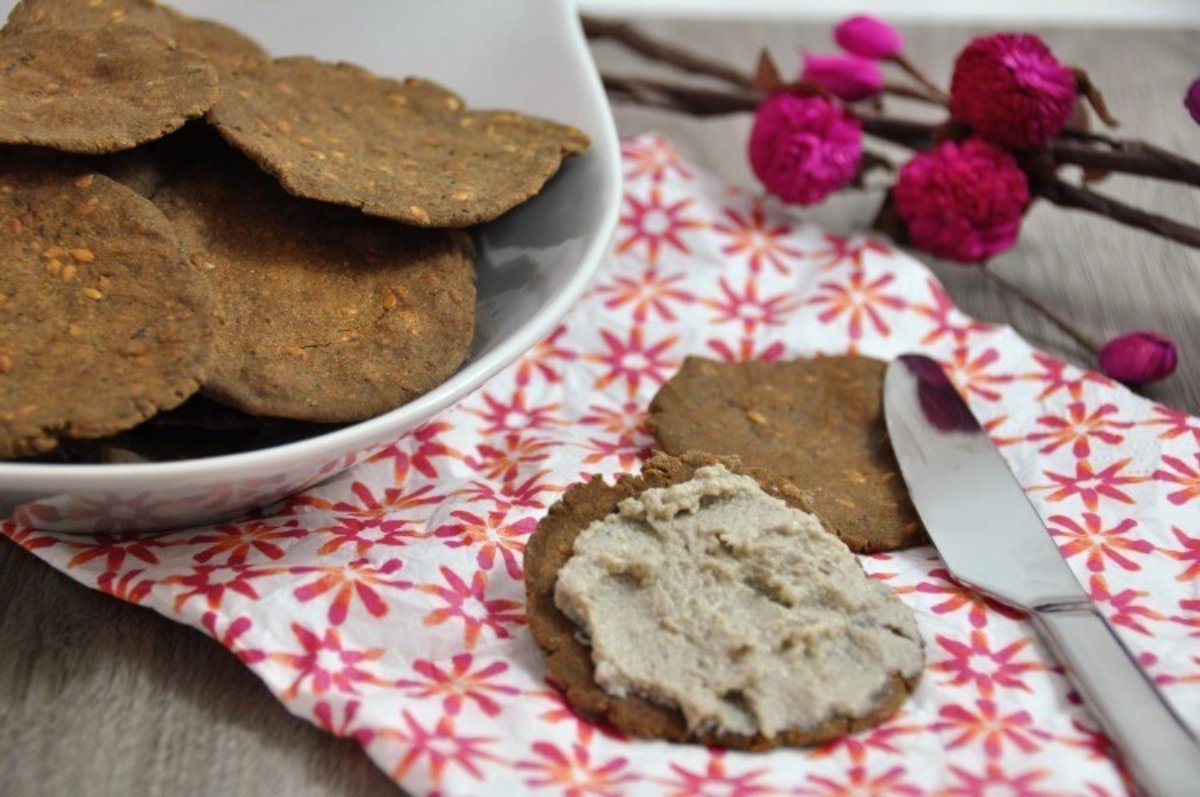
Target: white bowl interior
{"points": [[527, 55]]}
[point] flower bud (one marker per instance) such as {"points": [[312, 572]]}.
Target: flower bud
{"points": [[1140, 357], [868, 37], [1191, 100], [848, 78]]}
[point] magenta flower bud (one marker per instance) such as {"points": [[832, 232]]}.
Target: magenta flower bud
{"points": [[868, 37], [1140, 357], [846, 77], [1191, 100]]}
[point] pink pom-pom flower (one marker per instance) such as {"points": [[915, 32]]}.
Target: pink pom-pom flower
{"points": [[846, 77], [804, 148], [1140, 357], [868, 37], [1010, 89], [962, 200]]}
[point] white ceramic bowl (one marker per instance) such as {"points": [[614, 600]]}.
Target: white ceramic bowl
{"points": [[529, 55]]}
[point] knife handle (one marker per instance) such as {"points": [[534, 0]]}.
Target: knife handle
{"points": [[1158, 749]]}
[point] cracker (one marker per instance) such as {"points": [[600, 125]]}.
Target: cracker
{"points": [[102, 321], [98, 90], [402, 150], [222, 44], [227, 48], [570, 661], [817, 423], [326, 315]]}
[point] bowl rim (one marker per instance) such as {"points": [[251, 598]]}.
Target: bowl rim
{"points": [[45, 477]]}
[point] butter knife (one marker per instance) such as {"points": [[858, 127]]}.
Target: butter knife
{"points": [[993, 541]]}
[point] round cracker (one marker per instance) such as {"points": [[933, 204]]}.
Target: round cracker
{"points": [[102, 320], [326, 315], [570, 661], [402, 150], [98, 90], [817, 423], [222, 44]]}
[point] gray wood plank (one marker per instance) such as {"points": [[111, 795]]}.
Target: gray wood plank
{"points": [[102, 698]]}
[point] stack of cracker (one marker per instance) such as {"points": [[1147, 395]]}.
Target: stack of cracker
{"points": [[180, 214]]}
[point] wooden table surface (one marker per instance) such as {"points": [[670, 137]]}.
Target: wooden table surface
{"points": [[98, 697]]}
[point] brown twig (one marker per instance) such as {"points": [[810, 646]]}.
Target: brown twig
{"points": [[688, 99], [905, 132], [1072, 196], [661, 51], [871, 161], [699, 101], [1128, 157], [908, 92], [660, 102], [916, 74], [1073, 332]]}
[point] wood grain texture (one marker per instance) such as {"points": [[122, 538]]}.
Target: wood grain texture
{"points": [[101, 698]]}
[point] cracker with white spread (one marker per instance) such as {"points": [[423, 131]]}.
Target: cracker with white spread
{"points": [[705, 597]]}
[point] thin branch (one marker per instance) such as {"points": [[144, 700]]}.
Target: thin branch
{"points": [[657, 50], [908, 92], [1090, 136], [659, 102], [688, 99], [905, 132], [1130, 157], [1073, 332], [916, 74], [699, 101], [1126, 157], [1072, 196], [871, 161]]}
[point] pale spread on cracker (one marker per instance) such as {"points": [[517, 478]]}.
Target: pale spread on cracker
{"points": [[744, 613]]}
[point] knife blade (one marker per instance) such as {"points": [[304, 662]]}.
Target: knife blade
{"points": [[988, 533], [993, 541]]}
